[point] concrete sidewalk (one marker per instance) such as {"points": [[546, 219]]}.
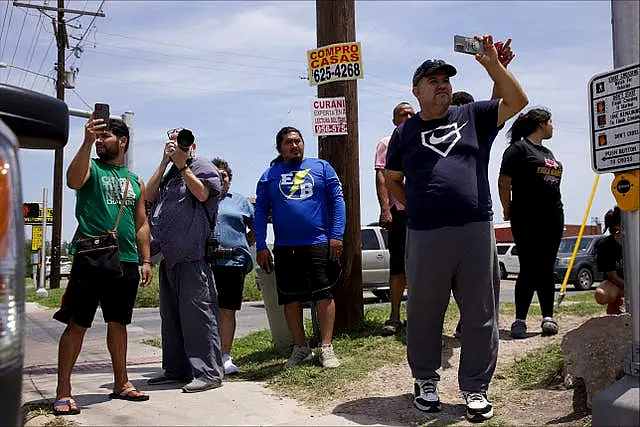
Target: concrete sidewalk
{"points": [[236, 403]]}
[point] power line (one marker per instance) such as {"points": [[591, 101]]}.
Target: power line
{"points": [[207, 68], [17, 45], [44, 58], [181, 46], [32, 47], [82, 99], [86, 31], [4, 18], [4, 45]]}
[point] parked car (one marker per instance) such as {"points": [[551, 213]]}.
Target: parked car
{"points": [[584, 271], [375, 261], [27, 120], [65, 266], [508, 259]]}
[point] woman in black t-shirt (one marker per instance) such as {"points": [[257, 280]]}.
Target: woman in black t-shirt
{"points": [[609, 260], [529, 186]]}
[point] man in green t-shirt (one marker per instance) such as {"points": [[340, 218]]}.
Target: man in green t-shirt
{"points": [[100, 186]]}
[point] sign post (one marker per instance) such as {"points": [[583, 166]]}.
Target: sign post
{"points": [[41, 291], [619, 404]]}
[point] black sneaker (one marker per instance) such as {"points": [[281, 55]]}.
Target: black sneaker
{"points": [[478, 406], [518, 329], [425, 395]]}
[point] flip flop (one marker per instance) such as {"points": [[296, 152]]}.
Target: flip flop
{"points": [[124, 395], [65, 402]]}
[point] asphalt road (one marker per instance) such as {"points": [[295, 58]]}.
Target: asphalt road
{"points": [[42, 332]]}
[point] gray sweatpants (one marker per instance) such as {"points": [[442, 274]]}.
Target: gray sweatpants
{"points": [[458, 259], [190, 319]]}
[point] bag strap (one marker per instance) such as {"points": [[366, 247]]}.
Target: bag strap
{"points": [[124, 199]]}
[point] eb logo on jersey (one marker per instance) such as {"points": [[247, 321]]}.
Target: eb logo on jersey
{"points": [[296, 185]]}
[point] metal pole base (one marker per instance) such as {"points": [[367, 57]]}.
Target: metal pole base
{"points": [[42, 292], [618, 404]]}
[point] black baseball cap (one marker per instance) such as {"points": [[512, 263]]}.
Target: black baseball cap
{"points": [[185, 138], [612, 218], [430, 66]]}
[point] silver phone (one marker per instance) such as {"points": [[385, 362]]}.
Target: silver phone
{"points": [[468, 45]]}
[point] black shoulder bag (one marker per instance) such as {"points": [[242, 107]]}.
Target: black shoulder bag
{"points": [[100, 256]]}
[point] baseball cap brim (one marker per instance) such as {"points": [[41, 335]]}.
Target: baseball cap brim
{"points": [[428, 67]]}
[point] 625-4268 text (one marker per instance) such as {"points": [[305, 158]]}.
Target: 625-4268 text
{"points": [[339, 71]]}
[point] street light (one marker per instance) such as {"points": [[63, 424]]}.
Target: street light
{"points": [[26, 70]]}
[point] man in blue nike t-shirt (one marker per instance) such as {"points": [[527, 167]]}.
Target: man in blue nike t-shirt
{"points": [[443, 153], [304, 197]]}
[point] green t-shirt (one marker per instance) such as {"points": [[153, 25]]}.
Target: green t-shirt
{"points": [[98, 204]]}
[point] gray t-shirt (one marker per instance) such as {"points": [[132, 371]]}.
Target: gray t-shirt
{"points": [[179, 226]]}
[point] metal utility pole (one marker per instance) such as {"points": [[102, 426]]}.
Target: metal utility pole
{"points": [[62, 42], [619, 404], [335, 21], [41, 291]]}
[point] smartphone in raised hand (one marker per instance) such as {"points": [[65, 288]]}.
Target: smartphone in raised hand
{"points": [[468, 45], [101, 111]]}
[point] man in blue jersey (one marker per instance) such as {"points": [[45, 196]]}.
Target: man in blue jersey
{"points": [[443, 153], [304, 197]]}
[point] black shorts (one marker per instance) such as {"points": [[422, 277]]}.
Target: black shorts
{"points": [[397, 240], [115, 296], [303, 273], [230, 285]]}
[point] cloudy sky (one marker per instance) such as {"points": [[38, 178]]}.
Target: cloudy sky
{"points": [[231, 71]]}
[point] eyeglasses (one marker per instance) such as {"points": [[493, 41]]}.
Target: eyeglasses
{"points": [[172, 131]]}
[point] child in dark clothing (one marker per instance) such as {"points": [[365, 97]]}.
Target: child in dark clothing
{"points": [[610, 261]]}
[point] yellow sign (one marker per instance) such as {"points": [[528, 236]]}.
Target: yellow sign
{"points": [[336, 62], [38, 220], [36, 237]]}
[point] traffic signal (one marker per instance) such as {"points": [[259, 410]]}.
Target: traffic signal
{"points": [[31, 210]]}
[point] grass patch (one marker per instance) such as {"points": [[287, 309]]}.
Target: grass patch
{"points": [[539, 368], [153, 342], [52, 300], [251, 291], [573, 305], [360, 351], [44, 409]]}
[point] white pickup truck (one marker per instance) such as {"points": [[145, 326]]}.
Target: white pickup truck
{"points": [[375, 261]]}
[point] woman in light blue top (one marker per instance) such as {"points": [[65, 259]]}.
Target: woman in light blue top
{"points": [[234, 230]]}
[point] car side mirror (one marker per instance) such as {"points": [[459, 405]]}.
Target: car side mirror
{"points": [[38, 120]]}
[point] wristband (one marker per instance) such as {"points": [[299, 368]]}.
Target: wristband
{"points": [[147, 262], [182, 168]]}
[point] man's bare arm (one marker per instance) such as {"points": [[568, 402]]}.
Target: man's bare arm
{"points": [[395, 184]]}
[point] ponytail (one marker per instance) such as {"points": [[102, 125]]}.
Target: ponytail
{"points": [[527, 123]]}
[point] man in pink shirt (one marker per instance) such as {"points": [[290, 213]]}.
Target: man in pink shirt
{"points": [[392, 218]]}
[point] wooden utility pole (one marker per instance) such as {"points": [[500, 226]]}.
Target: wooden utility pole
{"points": [[62, 42], [335, 21]]}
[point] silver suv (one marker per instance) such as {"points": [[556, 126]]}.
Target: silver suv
{"points": [[27, 120]]}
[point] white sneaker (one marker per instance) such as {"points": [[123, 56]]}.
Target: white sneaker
{"points": [[478, 406], [327, 357], [298, 355], [229, 367], [425, 395]]}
